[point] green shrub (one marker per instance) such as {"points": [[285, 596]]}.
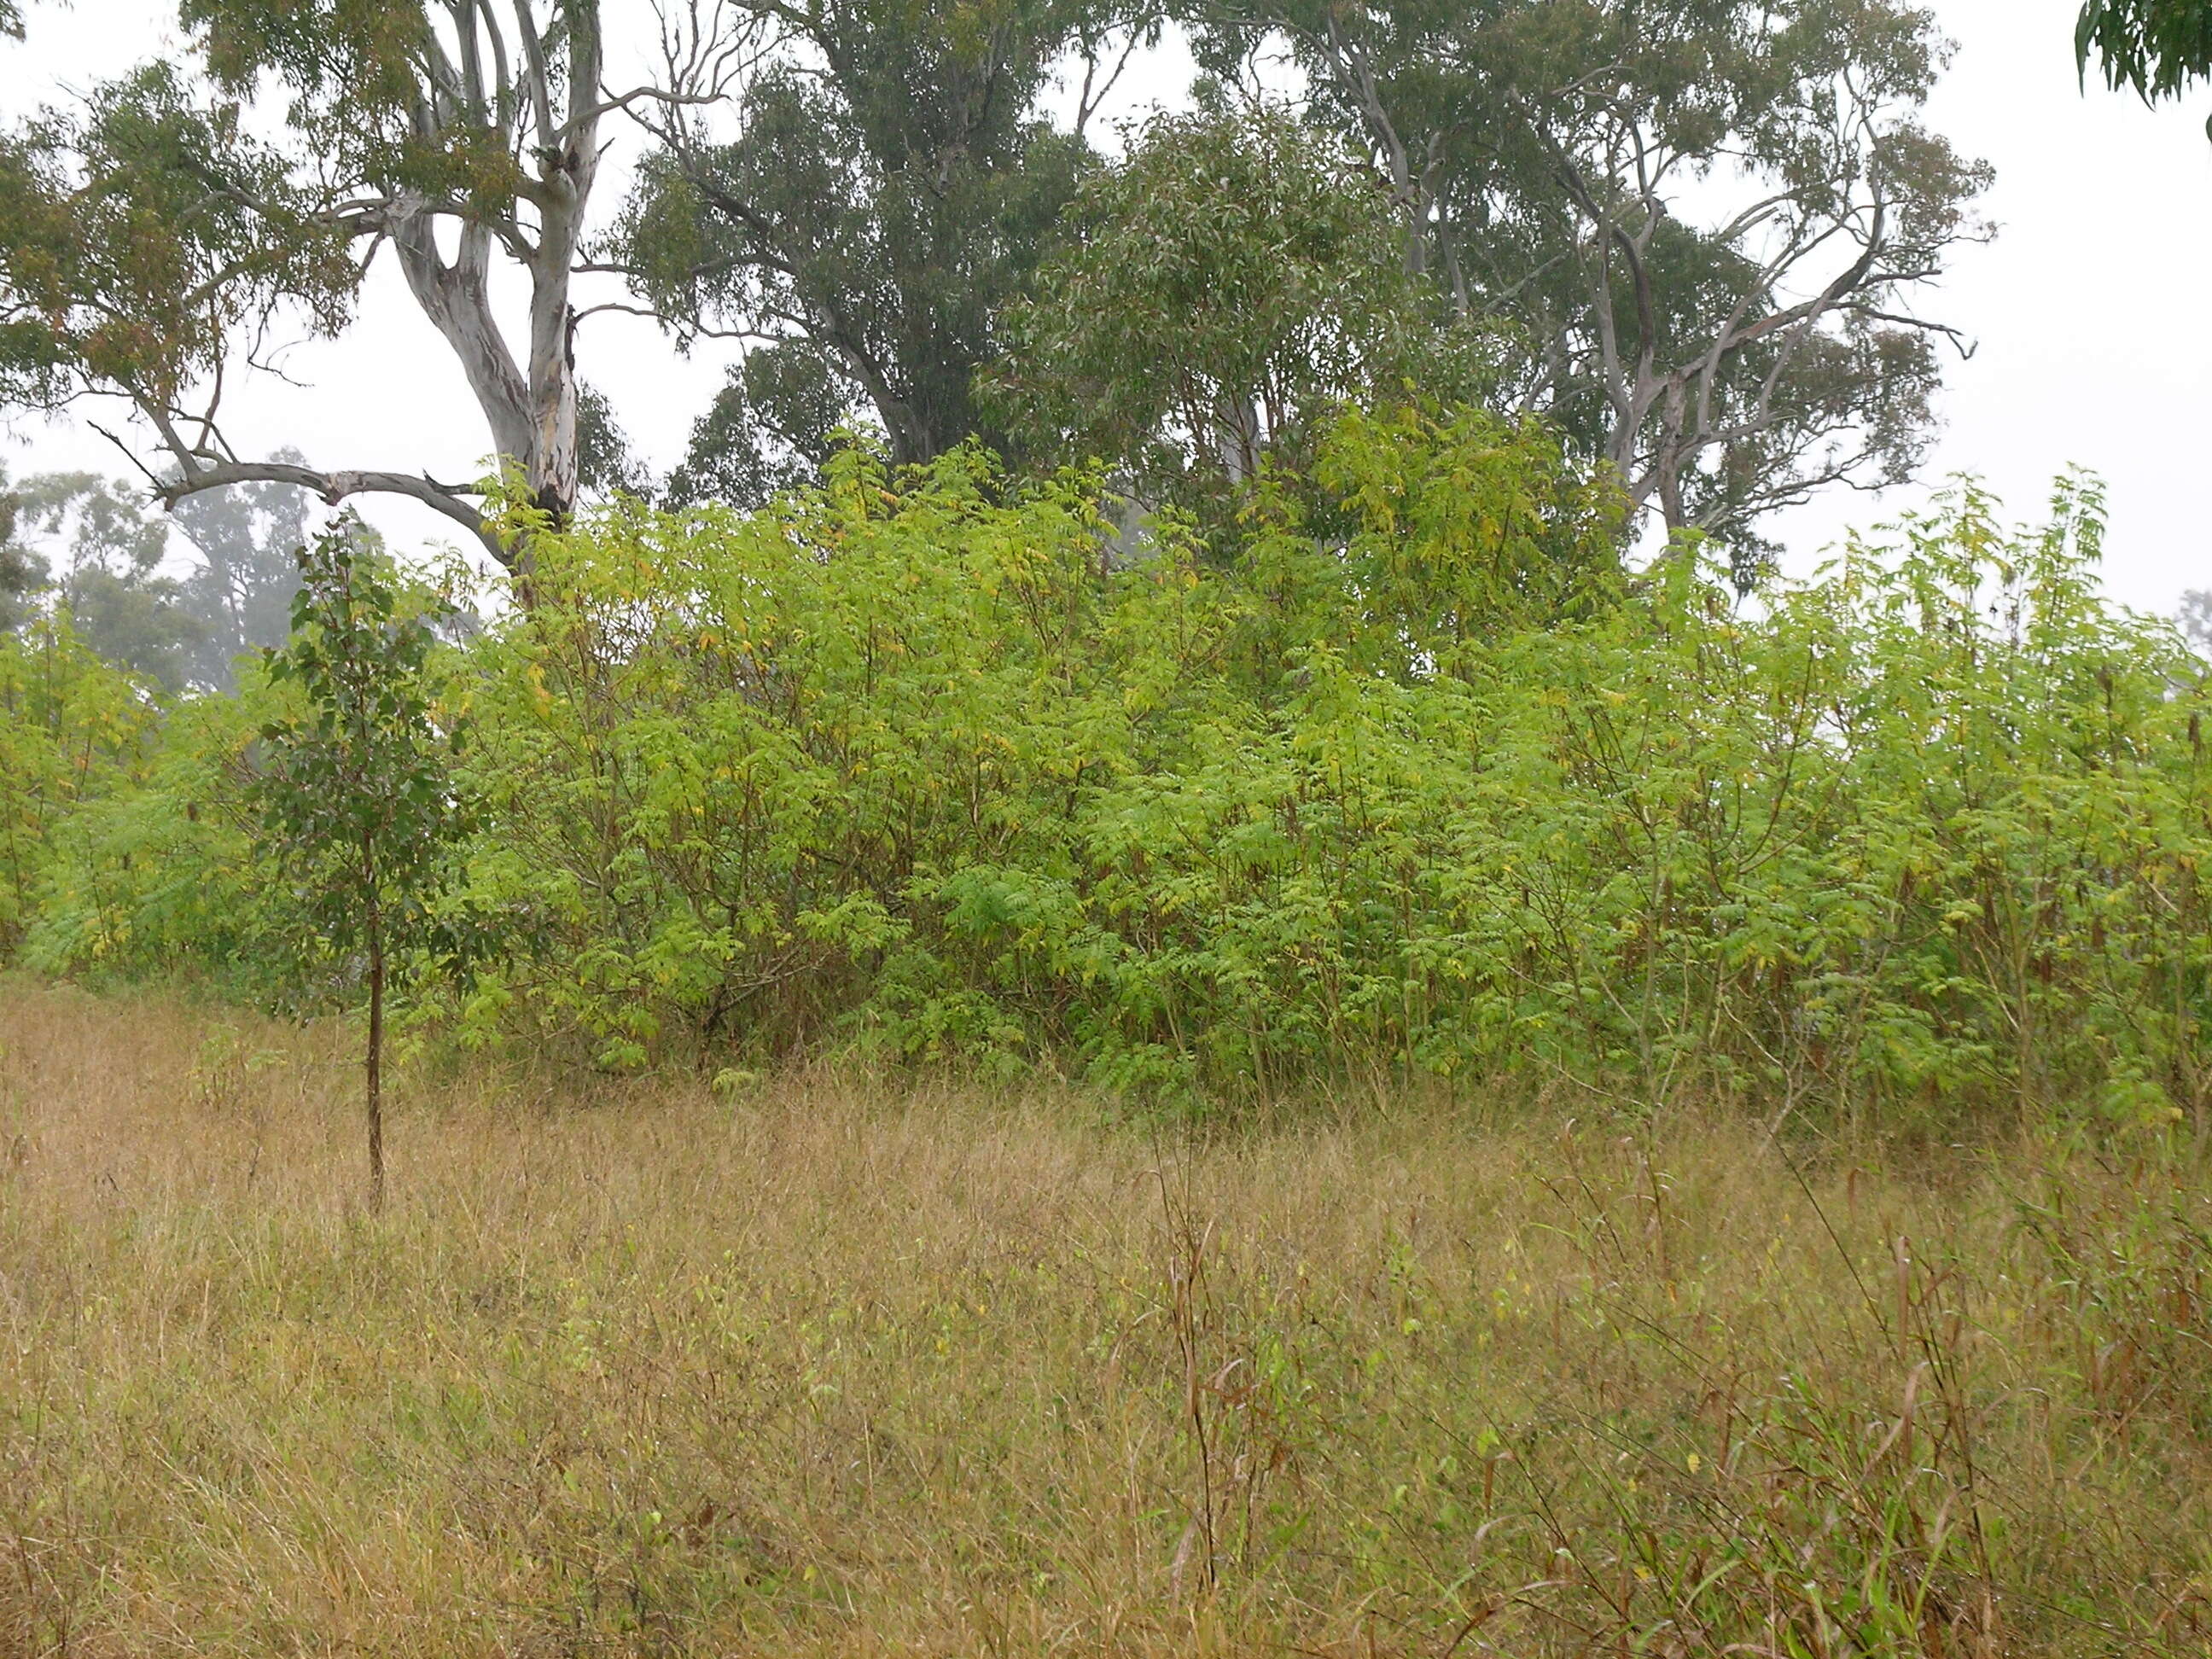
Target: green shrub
{"points": [[1426, 788], [163, 878], [73, 731], [873, 764]]}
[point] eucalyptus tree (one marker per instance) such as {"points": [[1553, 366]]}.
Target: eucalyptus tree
{"points": [[1712, 221], [155, 238], [175, 598], [1233, 283], [878, 180], [2194, 617], [101, 566], [244, 545]]}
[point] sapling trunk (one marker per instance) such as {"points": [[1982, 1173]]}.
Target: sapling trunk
{"points": [[374, 931]]}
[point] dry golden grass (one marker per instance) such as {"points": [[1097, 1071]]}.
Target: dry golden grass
{"points": [[825, 1370]]}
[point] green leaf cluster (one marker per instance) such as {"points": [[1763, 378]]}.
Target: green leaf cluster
{"points": [[75, 732], [2155, 47], [1430, 788], [149, 237], [1221, 295], [871, 765], [1645, 199], [355, 783], [859, 213]]}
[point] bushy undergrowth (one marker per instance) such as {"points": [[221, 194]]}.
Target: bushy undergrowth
{"points": [[73, 731], [1420, 782]]}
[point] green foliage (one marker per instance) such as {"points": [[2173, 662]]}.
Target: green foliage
{"points": [[355, 789], [164, 879], [605, 463], [751, 771], [109, 582], [1420, 534], [238, 593], [1729, 344], [927, 767], [2156, 47], [354, 785], [146, 238], [769, 430], [154, 234], [886, 185], [22, 571], [74, 732], [114, 572], [1410, 779], [355, 74], [1229, 287], [22, 575], [1417, 783]]}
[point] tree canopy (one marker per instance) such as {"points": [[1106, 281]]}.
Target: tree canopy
{"points": [[1712, 222], [1698, 236], [22, 571], [176, 598], [1238, 278], [876, 184]]}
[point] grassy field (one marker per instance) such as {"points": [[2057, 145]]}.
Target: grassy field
{"points": [[823, 1369]]}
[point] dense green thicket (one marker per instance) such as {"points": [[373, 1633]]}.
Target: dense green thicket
{"points": [[73, 732], [1420, 783]]}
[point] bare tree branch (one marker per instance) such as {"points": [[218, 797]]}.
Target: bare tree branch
{"points": [[333, 488]]}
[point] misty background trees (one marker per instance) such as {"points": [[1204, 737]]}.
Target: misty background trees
{"points": [[177, 597]]}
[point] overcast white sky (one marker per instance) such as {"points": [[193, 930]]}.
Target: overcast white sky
{"points": [[2091, 312]]}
